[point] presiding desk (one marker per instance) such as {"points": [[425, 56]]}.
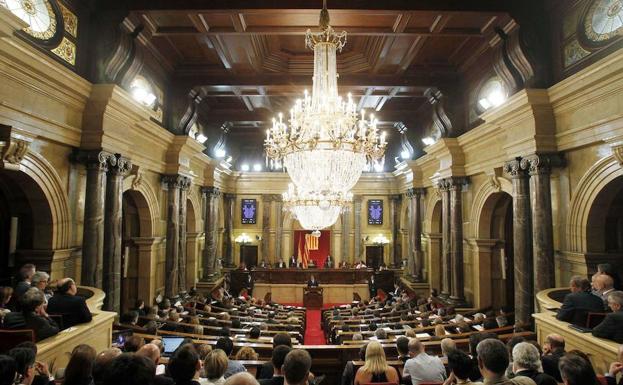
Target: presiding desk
{"points": [[287, 285], [312, 297], [600, 351]]}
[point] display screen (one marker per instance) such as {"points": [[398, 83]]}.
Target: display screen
{"points": [[249, 211], [375, 212]]}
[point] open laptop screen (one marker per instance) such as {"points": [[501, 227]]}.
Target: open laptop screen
{"points": [[171, 343]]}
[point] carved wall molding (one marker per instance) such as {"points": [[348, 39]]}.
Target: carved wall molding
{"points": [[14, 145]]}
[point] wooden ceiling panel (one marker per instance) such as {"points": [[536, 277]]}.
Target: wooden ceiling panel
{"points": [[170, 19], [287, 18], [421, 20], [437, 50], [474, 21], [216, 20]]}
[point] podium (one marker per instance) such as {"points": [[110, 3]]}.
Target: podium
{"points": [[312, 297]]}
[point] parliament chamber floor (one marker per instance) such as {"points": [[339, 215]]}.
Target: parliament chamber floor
{"points": [[311, 192]]}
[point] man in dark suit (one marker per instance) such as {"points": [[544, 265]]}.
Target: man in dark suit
{"points": [[278, 357], [66, 303], [329, 263], [33, 316], [293, 261], [579, 302], [553, 350], [611, 327], [615, 368], [264, 264], [281, 264], [312, 282], [372, 287]]}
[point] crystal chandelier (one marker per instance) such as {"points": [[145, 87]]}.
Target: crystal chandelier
{"points": [[316, 211], [326, 142]]}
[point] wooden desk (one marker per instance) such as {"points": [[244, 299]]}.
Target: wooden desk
{"points": [[312, 297]]}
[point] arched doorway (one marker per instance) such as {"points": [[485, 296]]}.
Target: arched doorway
{"points": [[496, 224], [604, 230], [26, 225]]}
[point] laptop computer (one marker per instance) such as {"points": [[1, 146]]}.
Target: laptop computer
{"points": [[170, 344]]}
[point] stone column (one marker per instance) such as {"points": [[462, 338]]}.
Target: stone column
{"points": [[418, 254], [173, 183], [93, 231], [539, 167], [210, 223], [118, 167], [446, 243], [522, 239], [228, 245], [278, 230], [395, 202], [456, 238], [357, 216], [345, 236], [181, 276], [267, 199], [410, 233]]}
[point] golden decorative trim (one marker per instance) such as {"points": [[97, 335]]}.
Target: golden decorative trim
{"points": [[66, 51], [70, 20]]}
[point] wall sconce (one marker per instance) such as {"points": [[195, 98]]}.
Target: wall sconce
{"points": [[242, 239]]}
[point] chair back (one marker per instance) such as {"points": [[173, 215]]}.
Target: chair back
{"points": [[11, 338], [594, 319]]}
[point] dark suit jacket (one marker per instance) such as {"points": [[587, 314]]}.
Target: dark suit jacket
{"points": [[42, 327], [611, 327], [293, 262], [576, 307], [550, 363], [272, 381], [328, 263], [281, 265], [538, 378], [613, 381], [265, 371], [312, 284], [73, 308]]}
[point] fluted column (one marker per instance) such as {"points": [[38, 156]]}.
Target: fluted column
{"points": [[357, 217], [345, 235], [267, 199], [396, 202], [522, 239], [228, 244], [410, 233], [539, 167], [456, 238], [181, 276], [173, 183], [418, 254], [446, 242], [118, 167], [278, 230], [210, 223], [93, 230]]}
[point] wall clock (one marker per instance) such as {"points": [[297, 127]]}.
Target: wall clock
{"points": [[603, 21], [40, 15]]}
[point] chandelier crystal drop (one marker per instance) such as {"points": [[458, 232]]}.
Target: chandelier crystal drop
{"points": [[326, 143], [316, 211]]}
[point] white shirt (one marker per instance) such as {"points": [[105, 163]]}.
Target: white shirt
{"points": [[423, 368]]}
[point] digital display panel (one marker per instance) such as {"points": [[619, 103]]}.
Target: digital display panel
{"points": [[249, 211], [375, 212]]}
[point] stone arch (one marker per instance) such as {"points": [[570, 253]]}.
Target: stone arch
{"points": [[147, 204], [193, 219], [588, 188], [48, 180], [432, 212], [485, 201]]}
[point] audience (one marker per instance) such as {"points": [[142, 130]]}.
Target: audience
{"points": [[241, 379], [8, 370], [102, 364], [375, 368], [214, 367], [579, 302], [227, 345], [278, 357], [184, 367], [33, 316], [603, 285], [493, 361], [553, 350], [460, 366], [267, 370], [421, 367], [25, 364], [296, 367], [152, 352], [527, 363], [66, 303], [24, 276], [577, 370], [80, 367], [246, 353], [402, 347], [615, 368], [612, 326], [130, 369]]}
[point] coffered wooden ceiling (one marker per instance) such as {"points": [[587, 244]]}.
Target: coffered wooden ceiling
{"points": [[250, 56]]}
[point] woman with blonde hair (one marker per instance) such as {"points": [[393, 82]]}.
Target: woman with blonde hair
{"points": [[376, 369], [246, 353], [214, 367]]}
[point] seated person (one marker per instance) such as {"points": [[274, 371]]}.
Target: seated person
{"points": [[611, 327], [33, 316], [312, 282], [375, 368], [344, 265], [382, 266], [264, 264], [360, 265], [579, 302], [281, 264], [66, 303], [278, 357], [311, 264], [615, 368], [293, 261], [329, 263], [242, 266]]}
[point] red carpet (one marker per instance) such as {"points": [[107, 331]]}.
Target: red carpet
{"points": [[313, 332]]}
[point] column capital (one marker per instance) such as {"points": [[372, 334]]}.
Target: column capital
{"points": [[514, 169], [211, 191], [453, 183], [415, 192], [177, 181], [119, 165], [357, 199], [94, 159], [229, 197], [395, 197], [541, 164]]}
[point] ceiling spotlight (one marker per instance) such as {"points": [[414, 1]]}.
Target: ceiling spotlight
{"points": [[201, 138], [220, 153], [428, 140], [257, 167], [244, 167]]}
